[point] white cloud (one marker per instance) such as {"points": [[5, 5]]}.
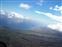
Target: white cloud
{"points": [[38, 12], [14, 16], [54, 17], [57, 8], [2, 12], [57, 26], [25, 6], [58, 19], [40, 2]]}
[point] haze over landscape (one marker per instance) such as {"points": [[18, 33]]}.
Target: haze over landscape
{"points": [[35, 23], [46, 12]]}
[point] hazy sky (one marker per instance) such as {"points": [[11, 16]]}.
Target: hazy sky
{"points": [[47, 11]]}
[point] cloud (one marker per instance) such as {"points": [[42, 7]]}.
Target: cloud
{"points": [[2, 12], [56, 8], [40, 2], [52, 16], [58, 19], [13, 16], [38, 12], [25, 6], [16, 16], [57, 26]]}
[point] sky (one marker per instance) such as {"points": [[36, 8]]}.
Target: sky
{"points": [[48, 12]]}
